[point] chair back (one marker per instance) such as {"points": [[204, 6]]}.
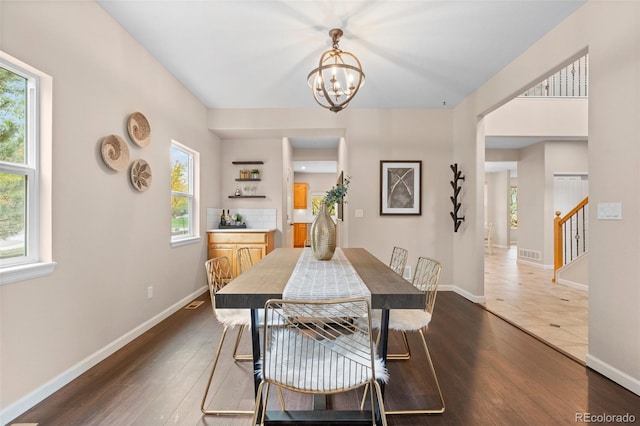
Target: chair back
{"points": [[319, 346], [244, 259], [219, 274], [425, 278], [398, 260]]}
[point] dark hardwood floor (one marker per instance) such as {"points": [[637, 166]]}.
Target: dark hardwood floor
{"points": [[491, 373]]}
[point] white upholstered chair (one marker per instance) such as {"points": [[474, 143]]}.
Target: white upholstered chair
{"points": [[319, 347], [244, 259], [398, 260], [219, 274], [426, 277]]}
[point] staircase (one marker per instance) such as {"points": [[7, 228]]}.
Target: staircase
{"points": [[570, 237]]}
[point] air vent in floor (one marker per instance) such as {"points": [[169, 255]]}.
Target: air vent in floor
{"points": [[194, 305]]}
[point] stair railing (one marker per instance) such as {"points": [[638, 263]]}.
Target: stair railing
{"points": [[569, 235]]}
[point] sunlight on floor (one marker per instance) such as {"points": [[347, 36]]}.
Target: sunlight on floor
{"points": [[525, 296]]}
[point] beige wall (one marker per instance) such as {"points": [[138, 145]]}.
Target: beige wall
{"points": [[109, 241], [371, 136], [609, 30], [53, 327]]}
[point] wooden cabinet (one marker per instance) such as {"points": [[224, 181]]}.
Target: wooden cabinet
{"points": [[299, 234], [227, 243], [300, 190]]}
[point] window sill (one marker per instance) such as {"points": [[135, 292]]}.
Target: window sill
{"points": [[185, 241], [18, 273]]}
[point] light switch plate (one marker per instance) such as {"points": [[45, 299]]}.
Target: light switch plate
{"points": [[359, 212], [609, 211]]}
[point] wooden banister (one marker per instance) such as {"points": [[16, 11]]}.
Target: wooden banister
{"points": [[558, 243]]}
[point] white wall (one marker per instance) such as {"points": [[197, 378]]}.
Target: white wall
{"points": [[109, 241], [371, 136], [498, 206], [609, 31], [537, 166], [270, 151]]}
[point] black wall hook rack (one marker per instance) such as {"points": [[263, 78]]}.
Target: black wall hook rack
{"points": [[457, 177]]}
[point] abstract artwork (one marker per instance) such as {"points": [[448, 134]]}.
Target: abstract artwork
{"points": [[400, 187]]}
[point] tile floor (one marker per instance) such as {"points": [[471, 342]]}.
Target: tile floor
{"points": [[525, 296]]}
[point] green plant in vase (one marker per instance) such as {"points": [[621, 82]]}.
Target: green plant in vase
{"points": [[323, 228]]}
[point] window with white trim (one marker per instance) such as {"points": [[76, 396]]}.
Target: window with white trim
{"points": [[184, 187], [19, 171], [26, 111]]}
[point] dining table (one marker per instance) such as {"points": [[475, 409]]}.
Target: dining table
{"points": [[270, 278]]}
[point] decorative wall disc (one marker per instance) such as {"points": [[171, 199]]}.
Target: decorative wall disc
{"points": [[141, 175], [115, 152], [139, 129]]}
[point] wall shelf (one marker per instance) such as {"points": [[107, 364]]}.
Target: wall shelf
{"points": [[247, 196], [247, 162], [248, 180]]}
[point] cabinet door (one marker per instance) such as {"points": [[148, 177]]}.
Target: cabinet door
{"points": [[257, 252], [299, 234], [300, 195]]}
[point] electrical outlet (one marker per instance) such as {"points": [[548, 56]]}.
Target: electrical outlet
{"points": [[149, 292]]}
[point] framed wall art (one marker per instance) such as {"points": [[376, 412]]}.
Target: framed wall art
{"points": [[400, 187]]}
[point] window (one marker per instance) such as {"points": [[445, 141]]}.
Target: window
{"points": [[184, 218], [513, 207], [25, 103]]}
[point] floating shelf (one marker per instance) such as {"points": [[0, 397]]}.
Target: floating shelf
{"points": [[248, 180], [247, 162], [247, 196]]}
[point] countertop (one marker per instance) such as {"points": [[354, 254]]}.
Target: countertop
{"points": [[236, 230]]}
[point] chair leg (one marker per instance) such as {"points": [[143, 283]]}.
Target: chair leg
{"points": [[259, 401], [213, 369], [435, 377], [399, 356], [235, 347], [378, 392]]}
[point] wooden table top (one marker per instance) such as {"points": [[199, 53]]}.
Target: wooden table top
{"points": [[267, 278]]}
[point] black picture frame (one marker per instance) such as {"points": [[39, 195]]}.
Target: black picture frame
{"points": [[400, 187]]}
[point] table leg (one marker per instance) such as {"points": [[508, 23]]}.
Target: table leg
{"points": [[255, 345], [382, 348]]}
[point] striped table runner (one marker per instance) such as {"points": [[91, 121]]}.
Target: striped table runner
{"points": [[314, 279]]}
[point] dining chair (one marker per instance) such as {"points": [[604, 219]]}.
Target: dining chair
{"points": [[488, 237], [244, 259], [319, 347], [219, 274], [398, 260], [426, 277]]}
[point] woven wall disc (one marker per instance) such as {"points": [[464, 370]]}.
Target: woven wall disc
{"points": [[115, 152], [141, 175], [139, 129]]}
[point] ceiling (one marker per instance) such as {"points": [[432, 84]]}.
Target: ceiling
{"points": [[414, 53]]}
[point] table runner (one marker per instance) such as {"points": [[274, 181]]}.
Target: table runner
{"points": [[313, 279]]}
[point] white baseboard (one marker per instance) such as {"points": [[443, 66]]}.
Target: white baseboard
{"points": [[23, 404], [537, 265], [572, 284], [462, 292], [621, 378]]}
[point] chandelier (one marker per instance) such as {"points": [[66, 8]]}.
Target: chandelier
{"points": [[338, 77]]}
